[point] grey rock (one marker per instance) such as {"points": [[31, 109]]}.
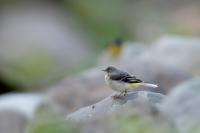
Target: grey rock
{"points": [[183, 105], [12, 121], [179, 52], [77, 91], [149, 70], [110, 104], [179, 111], [26, 103]]}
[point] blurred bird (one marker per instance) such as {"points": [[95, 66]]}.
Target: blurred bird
{"points": [[116, 48], [122, 82]]}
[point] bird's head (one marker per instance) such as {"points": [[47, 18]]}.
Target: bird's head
{"points": [[117, 42], [110, 69]]}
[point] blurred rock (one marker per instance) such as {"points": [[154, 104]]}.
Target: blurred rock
{"points": [[26, 103], [183, 106], [38, 42], [155, 72], [179, 52], [17, 110], [75, 92], [12, 121]]}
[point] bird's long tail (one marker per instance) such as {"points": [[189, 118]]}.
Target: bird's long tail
{"points": [[150, 85]]}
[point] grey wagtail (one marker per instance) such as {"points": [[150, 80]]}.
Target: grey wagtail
{"points": [[116, 48], [121, 81]]}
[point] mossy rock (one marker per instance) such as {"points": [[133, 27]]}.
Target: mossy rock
{"points": [[134, 123]]}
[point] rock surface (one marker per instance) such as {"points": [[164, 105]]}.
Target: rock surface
{"points": [[179, 52], [26, 103], [12, 121], [110, 104], [183, 106], [145, 111]]}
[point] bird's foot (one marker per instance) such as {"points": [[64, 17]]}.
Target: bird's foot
{"points": [[117, 96], [120, 96], [125, 93]]}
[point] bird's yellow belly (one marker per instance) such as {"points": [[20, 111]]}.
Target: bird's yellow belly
{"points": [[121, 87]]}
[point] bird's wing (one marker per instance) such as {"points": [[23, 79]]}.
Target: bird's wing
{"points": [[119, 76], [131, 80], [125, 77]]}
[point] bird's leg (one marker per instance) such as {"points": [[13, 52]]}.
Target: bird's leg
{"points": [[125, 92], [118, 96], [121, 94]]}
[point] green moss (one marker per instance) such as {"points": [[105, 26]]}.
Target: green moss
{"points": [[29, 70], [139, 124], [195, 129], [50, 123], [176, 30]]}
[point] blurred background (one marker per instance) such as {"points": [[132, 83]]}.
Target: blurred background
{"points": [[42, 41], [52, 51]]}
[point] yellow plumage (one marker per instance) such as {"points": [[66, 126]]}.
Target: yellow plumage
{"points": [[115, 50], [135, 85]]}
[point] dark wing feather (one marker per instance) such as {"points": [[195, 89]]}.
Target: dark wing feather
{"points": [[131, 80], [119, 76], [125, 77]]}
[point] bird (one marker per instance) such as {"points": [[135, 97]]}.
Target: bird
{"points": [[121, 81], [116, 48]]}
